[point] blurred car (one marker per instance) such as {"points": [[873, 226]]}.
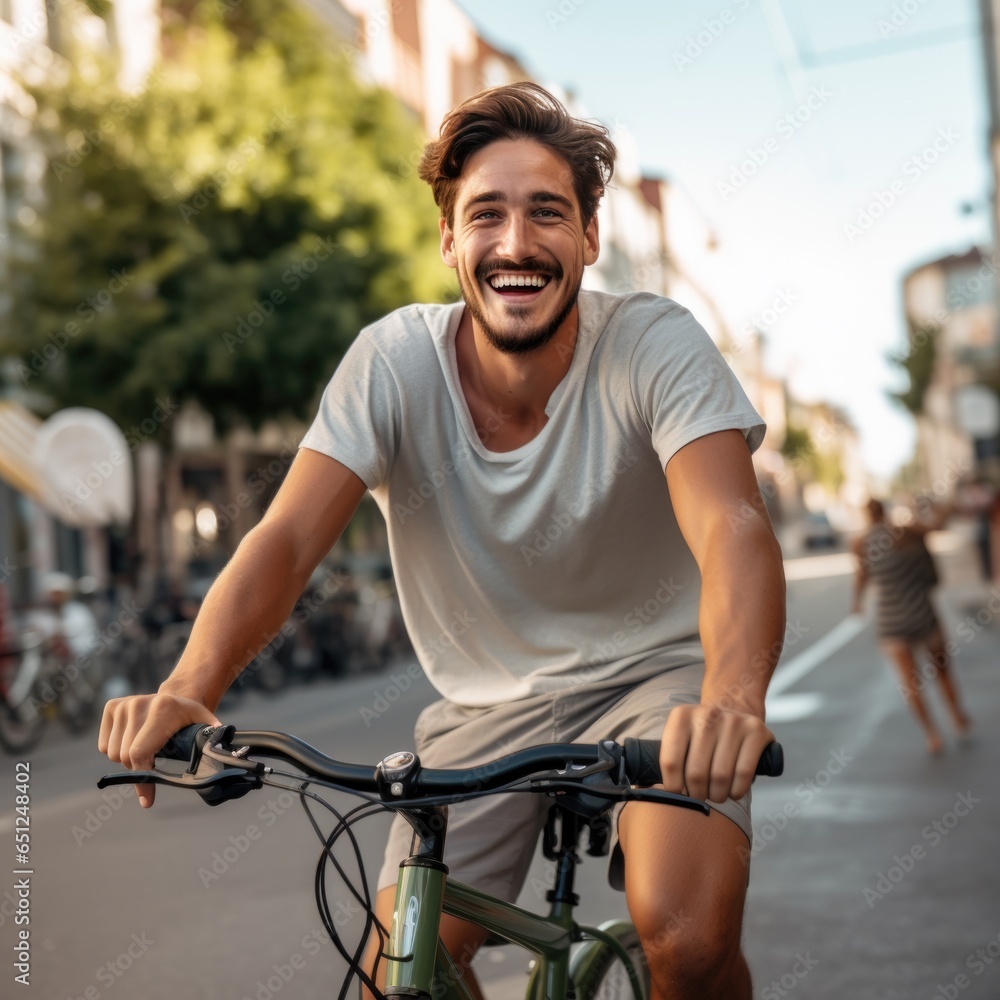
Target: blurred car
{"points": [[818, 532]]}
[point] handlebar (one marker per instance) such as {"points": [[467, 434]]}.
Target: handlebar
{"points": [[219, 768]]}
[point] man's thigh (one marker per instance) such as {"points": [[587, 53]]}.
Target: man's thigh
{"points": [[641, 711], [685, 878]]}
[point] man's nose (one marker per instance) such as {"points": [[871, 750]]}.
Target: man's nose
{"points": [[517, 239]]}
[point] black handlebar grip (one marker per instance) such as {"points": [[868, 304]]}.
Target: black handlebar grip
{"points": [[772, 761], [642, 761], [181, 745]]}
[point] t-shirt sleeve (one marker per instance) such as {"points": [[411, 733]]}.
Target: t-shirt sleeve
{"points": [[684, 389], [359, 415]]}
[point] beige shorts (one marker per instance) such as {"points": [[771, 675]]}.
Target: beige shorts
{"points": [[491, 841]]}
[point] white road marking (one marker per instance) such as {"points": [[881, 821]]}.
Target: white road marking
{"points": [[792, 707], [789, 708], [812, 567], [796, 668]]}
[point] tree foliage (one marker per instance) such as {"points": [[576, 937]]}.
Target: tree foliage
{"points": [[223, 235], [798, 443], [918, 365]]}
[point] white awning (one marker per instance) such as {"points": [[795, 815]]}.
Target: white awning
{"points": [[18, 431]]}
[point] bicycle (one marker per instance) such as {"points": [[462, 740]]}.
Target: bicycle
{"points": [[585, 780], [21, 723]]}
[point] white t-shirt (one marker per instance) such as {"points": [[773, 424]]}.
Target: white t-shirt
{"points": [[527, 571]]}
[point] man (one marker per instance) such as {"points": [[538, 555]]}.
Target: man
{"points": [[567, 482]]}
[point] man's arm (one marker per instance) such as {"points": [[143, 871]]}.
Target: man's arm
{"points": [[711, 749], [243, 611]]}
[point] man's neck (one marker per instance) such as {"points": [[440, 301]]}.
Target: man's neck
{"points": [[517, 384]]}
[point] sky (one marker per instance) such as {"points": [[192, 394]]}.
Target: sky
{"points": [[887, 100]]}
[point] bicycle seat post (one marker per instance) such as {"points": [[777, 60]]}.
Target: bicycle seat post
{"points": [[562, 831]]}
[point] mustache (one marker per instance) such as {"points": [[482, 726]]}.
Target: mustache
{"points": [[487, 267]]}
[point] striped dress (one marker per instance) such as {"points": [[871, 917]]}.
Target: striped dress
{"points": [[898, 563]]}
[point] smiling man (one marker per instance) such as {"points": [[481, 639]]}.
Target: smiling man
{"points": [[590, 556]]}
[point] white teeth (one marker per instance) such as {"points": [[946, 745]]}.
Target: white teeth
{"points": [[519, 280]]}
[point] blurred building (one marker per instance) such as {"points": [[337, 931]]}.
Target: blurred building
{"points": [[430, 55], [38, 40], [952, 302], [989, 19]]}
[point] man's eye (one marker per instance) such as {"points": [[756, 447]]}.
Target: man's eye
{"points": [[490, 214], [548, 213]]}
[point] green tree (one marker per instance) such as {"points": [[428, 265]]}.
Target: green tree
{"points": [[918, 365], [223, 235], [798, 445]]}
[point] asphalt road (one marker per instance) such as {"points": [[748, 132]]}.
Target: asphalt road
{"points": [[874, 867]]}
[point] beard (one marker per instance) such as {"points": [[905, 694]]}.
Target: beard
{"points": [[526, 340]]}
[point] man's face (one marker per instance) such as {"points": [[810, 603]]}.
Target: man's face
{"points": [[518, 243]]}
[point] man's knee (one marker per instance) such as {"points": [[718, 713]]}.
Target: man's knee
{"points": [[682, 948], [685, 883]]}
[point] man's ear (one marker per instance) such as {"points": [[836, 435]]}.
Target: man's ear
{"points": [[591, 241], [447, 243]]}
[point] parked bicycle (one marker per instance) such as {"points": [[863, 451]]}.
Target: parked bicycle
{"points": [[40, 679], [584, 781]]}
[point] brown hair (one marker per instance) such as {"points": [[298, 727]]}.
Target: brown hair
{"points": [[518, 111]]}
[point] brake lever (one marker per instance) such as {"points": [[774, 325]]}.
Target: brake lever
{"points": [[227, 778], [617, 793], [217, 775]]}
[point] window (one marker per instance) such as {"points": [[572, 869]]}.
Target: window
{"points": [[970, 285]]}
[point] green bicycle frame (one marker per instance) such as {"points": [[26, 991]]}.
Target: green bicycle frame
{"points": [[419, 967]]}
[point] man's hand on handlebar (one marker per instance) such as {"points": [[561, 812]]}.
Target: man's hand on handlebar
{"points": [[710, 752], [133, 730]]}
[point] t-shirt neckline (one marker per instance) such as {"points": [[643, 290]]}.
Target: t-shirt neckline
{"points": [[449, 365]]}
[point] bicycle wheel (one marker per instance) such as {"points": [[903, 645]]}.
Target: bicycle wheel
{"points": [[597, 971], [77, 706], [22, 725]]}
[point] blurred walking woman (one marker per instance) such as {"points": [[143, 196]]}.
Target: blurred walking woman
{"points": [[897, 560]]}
